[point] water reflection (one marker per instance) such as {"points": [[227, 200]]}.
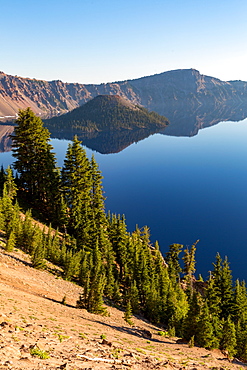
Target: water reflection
{"points": [[187, 122], [184, 121], [5, 141], [107, 142]]}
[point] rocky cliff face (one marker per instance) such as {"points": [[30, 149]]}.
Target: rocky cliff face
{"points": [[161, 92]]}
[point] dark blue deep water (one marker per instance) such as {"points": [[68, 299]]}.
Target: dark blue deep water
{"points": [[184, 189]]}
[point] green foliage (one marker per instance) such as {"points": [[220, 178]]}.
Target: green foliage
{"points": [[109, 262], [35, 163], [11, 242], [128, 313], [172, 259], [228, 341], [38, 254], [108, 112], [36, 351], [162, 333]]}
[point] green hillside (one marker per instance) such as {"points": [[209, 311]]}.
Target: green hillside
{"points": [[108, 112]]}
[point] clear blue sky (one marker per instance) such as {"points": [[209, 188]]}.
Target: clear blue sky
{"points": [[95, 41]]}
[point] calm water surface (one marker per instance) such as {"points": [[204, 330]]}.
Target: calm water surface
{"points": [[184, 189]]}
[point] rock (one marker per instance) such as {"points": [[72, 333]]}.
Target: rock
{"points": [[4, 324], [64, 366], [104, 341], [181, 341]]}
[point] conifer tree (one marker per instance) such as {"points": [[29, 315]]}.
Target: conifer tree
{"points": [[128, 313], [119, 238], [76, 186], [189, 263], [10, 185], [84, 271], [35, 162], [240, 302], [97, 198], [94, 283], [228, 342], [190, 325], [72, 264], [223, 282], [172, 259], [11, 241], [205, 335], [213, 301], [38, 250], [2, 179], [226, 287], [27, 232], [110, 269]]}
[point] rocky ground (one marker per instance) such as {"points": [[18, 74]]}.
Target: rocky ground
{"points": [[37, 331]]}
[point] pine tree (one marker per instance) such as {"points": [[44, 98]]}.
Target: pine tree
{"points": [[27, 232], [10, 185], [240, 302], [76, 186], [119, 238], [93, 284], [128, 313], [172, 259], [10, 214], [189, 263], [134, 297], [11, 241], [205, 335], [38, 250], [97, 198], [228, 341], [223, 283], [35, 163], [190, 325], [213, 301], [71, 264]]}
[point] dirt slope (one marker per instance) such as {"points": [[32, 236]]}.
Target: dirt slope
{"points": [[32, 317]]}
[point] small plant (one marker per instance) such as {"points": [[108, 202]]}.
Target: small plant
{"points": [[192, 341], [15, 338], [61, 337], [36, 351], [140, 351], [82, 336], [116, 353], [18, 328], [162, 333], [103, 336], [171, 332], [128, 314]]}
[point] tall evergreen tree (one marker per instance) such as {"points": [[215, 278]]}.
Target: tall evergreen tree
{"points": [[172, 259], [10, 185], [228, 341], [76, 186], [35, 162], [189, 262]]}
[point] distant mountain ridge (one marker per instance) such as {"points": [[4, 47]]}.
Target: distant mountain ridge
{"points": [[106, 113], [159, 93]]}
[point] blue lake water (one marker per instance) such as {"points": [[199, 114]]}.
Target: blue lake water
{"points": [[183, 188]]}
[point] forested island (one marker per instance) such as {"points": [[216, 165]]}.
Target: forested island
{"points": [[107, 113], [112, 265]]}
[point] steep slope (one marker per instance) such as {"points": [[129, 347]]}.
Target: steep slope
{"points": [[32, 317], [107, 112], [185, 87]]}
